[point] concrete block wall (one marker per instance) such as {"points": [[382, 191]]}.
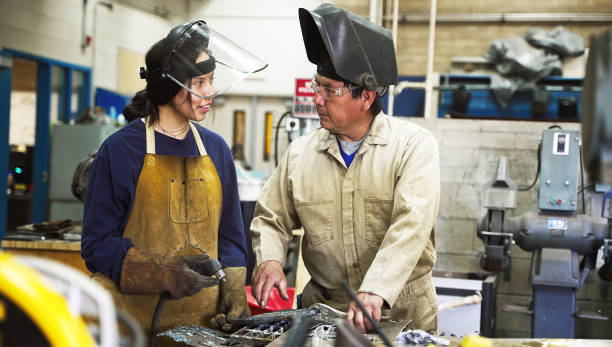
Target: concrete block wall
{"points": [[473, 39], [468, 159]]}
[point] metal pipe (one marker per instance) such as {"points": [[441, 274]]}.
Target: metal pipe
{"points": [[83, 22], [94, 37], [506, 17], [394, 33], [430, 59], [253, 131], [409, 84], [158, 9], [374, 15]]}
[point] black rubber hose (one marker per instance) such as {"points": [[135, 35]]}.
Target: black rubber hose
{"points": [[582, 181], [537, 171], [155, 323], [276, 137], [377, 328]]}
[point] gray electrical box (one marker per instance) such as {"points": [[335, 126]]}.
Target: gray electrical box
{"points": [[69, 145], [560, 162]]}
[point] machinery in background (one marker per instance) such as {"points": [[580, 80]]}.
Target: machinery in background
{"points": [[19, 186], [557, 236], [466, 303], [65, 157], [469, 96], [596, 118]]}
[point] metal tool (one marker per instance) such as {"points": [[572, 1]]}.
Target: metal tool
{"points": [[206, 267], [319, 312], [210, 268], [267, 327]]}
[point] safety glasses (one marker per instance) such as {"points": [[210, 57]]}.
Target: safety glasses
{"points": [[329, 93]]}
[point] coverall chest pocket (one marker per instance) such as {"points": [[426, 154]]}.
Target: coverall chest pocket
{"points": [[316, 218], [377, 218], [188, 200]]}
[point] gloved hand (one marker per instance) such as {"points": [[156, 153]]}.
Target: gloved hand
{"points": [[143, 272], [233, 301], [204, 265]]}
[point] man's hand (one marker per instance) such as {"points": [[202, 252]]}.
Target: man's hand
{"points": [[373, 305], [268, 275]]}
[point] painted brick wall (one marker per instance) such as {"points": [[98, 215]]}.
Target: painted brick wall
{"points": [[53, 29], [473, 39], [468, 158]]}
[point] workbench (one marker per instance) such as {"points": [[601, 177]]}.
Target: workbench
{"points": [[456, 342], [67, 252]]}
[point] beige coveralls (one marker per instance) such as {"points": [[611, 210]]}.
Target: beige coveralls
{"points": [[371, 224]]}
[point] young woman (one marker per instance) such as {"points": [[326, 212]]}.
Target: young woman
{"points": [[163, 192]]}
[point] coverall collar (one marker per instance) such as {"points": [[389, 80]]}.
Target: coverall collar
{"points": [[377, 135]]}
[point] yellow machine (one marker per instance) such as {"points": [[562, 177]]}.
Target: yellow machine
{"points": [[44, 303], [26, 290]]}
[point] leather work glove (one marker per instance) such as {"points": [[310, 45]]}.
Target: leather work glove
{"points": [[233, 301], [143, 272]]}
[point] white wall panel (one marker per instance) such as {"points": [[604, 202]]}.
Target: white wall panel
{"points": [[271, 31]]}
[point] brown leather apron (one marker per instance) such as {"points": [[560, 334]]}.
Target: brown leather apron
{"points": [[176, 211]]}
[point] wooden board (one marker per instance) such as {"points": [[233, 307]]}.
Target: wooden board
{"points": [[66, 252], [57, 245]]}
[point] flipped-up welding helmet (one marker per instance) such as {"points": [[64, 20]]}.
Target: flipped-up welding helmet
{"points": [[343, 44], [193, 49]]}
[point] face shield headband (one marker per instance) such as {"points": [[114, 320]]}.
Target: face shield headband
{"points": [[195, 50]]}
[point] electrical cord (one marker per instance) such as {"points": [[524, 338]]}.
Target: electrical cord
{"points": [[535, 179], [276, 136], [205, 267], [587, 187], [155, 322], [554, 126], [582, 180]]}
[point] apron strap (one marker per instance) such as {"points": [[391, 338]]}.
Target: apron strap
{"points": [[151, 138], [198, 139]]}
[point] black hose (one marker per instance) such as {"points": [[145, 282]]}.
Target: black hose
{"points": [[155, 323], [537, 171], [276, 137], [582, 180], [377, 328]]}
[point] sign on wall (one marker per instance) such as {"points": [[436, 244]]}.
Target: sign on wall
{"points": [[303, 99]]}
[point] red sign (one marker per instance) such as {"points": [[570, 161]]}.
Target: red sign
{"points": [[303, 100]]}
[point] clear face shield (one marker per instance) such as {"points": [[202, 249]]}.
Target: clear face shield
{"points": [[206, 63]]}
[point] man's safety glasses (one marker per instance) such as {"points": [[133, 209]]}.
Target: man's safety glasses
{"points": [[328, 92]]}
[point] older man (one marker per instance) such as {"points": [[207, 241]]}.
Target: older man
{"points": [[364, 186]]}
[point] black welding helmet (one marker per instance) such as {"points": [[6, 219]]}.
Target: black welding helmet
{"points": [[348, 46], [596, 105], [193, 50]]}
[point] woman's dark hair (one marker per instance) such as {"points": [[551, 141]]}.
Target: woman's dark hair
{"points": [[160, 90], [138, 107]]}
